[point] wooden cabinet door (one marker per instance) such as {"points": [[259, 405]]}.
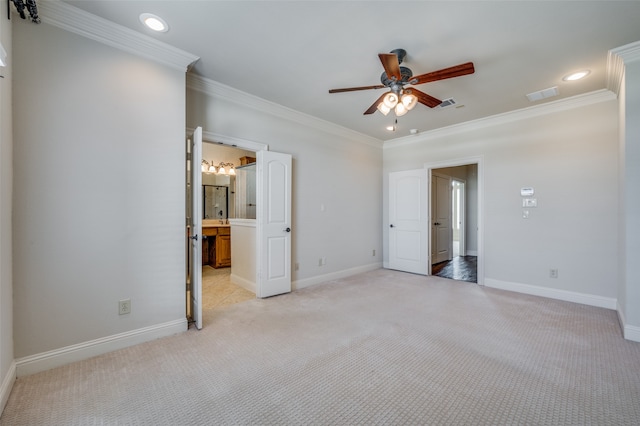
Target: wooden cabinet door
{"points": [[223, 251]]}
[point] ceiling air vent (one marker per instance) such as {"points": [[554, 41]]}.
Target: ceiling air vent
{"points": [[447, 103], [543, 94]]}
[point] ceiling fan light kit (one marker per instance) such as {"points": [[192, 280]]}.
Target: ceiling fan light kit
{"points": [[383, 108], [409, 100], [390, 100], [395, 77]]}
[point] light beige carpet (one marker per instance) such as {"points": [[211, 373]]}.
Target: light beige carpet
{"points": [[382, 347]]}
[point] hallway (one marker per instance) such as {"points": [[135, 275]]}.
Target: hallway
{"points": [[461, 268]]}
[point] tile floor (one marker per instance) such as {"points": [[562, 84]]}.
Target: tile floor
{"points": [[218, 290]]}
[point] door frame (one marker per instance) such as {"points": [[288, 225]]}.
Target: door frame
{"points": [[455, 162]]}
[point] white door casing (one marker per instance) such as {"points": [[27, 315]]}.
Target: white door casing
{"points": [[408, 221], [274, 224], [195, 226], [440, 218]]}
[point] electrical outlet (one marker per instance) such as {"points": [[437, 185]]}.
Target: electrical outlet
{"points": [[297, 266], [322, 261], [124, 306], [373, 253], [553, 273]]}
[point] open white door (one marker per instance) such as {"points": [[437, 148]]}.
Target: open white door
{"points": [[195, 226], [408, 221], [274, 224], [441, 234]]}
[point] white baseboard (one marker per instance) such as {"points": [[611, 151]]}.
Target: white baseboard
{"points": [[244, 283], [472, 252], [298, 284], [552, 293], [7, 385], [630, 332], [58, 357]]}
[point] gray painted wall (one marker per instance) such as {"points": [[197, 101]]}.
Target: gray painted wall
{"points": [[570, 158], [6, 181], [630, 203], [98, 145]]}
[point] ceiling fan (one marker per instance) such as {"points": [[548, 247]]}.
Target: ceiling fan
{"points": [[400, 98]]}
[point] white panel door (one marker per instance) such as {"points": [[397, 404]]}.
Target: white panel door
{"points": [[440, 219], [195, 226], [274, 224], [408, 221]]}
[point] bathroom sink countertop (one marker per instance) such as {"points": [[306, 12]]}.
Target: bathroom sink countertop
{"points": [[210, 223]]}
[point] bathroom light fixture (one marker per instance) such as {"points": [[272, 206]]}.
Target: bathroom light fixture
{"points": [[154, 22], [576, 75], [221, 168]]}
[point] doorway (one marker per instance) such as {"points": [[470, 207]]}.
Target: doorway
{"points": [[224, 183], [211, 188], [268, 241], [455, 231]]}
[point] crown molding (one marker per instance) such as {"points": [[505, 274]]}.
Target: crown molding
{"points": [[219, 90], [508, 117], [629, 52], [72, 19], [616, 59]]}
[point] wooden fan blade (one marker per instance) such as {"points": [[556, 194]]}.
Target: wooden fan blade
{"points": [[456, 71], [391, 65], [423, 98], [374, 107], [353, 89]]}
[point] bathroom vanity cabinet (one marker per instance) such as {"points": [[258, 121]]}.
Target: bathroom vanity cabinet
{"points": [[216, 247]]}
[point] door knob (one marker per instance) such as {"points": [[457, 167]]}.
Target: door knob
{"points": [[194, 237], [391, 226], [287, 230]]}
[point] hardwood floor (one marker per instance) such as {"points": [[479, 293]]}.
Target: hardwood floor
{"points": [[462, 268]]}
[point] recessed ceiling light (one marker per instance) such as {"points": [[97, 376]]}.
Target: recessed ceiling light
{"points": [[391, 128], [576, 75], [154, 22]]}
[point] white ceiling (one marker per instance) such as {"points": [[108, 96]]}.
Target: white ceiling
{"points": [[292, 52]]}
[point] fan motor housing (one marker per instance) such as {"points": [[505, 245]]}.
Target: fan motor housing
{"points": [[405, 73]]}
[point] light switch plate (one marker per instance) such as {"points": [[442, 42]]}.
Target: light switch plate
{"points": [[526, 192], [529, 202]]}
